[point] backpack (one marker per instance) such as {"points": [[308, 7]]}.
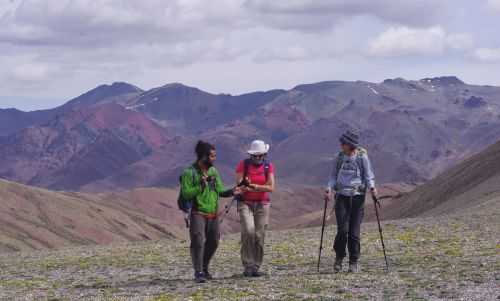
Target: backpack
{"points": [[185, 205], [361, 151], [247, 163]]}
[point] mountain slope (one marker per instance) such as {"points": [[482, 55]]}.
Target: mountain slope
{"points": [[80, 146], [13, 120], [118, 92], [472, 183], [413, 129], [191, 110], [34, 218]]}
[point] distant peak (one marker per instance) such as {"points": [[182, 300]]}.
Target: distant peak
{"points": [[397, 80], [443, 80], [125, 86], [115, 88], [177, 88], [177, 85]]}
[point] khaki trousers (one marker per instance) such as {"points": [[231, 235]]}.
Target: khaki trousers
{"points": [[254, 219]]}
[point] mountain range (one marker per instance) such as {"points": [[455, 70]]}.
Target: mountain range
{"points": [[119, 137], [115, 153]]}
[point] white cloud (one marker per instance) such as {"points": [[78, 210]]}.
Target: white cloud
{"points": [[310, 15], [487, 54], [400, 41], [494, 4], [459, 41], [63, 47], [31, 72], [405, 41], [292, 53]]}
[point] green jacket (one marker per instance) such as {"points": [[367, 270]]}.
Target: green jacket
{"points": [[206, 200]]}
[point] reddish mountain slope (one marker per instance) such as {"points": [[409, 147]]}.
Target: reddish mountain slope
{"points": [[34, 218], [80, 147], [12, 120], [412, 129]]}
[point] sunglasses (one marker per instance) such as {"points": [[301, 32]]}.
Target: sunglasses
{"points": [[257, 156]]}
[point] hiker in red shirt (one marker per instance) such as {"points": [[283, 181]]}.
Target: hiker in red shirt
{"points": [[256, 177]]}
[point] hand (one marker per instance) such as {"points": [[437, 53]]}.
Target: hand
{"points": [[186, 219], [237, 190], [204, 182], [374, 192], [328, 195]]}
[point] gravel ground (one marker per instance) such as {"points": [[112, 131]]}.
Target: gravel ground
{"points": [[446, 258]]}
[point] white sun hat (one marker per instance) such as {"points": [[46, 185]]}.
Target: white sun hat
{"points": [[258, 147]]}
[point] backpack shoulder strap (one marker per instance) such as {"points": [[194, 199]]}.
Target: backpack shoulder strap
{"points": [[246, 165], [266, 169], [340, 160], [193, 174], [359, 158]]}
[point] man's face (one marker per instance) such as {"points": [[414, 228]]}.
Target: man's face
{"points": [[212, 157]]}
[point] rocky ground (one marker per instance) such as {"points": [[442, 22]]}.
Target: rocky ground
{"points": [[446, 258]]}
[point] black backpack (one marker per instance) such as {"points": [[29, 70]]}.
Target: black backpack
{"points": [[185, 205]]}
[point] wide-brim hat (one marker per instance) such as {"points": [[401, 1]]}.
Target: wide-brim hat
{"points": [[258, 147], [350, 138]]}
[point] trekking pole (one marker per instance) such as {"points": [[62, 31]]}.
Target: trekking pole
{"points": [[187, 218], [227, 208], [377, 203], [322, 233]]}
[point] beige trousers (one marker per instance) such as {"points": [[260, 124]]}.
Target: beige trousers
{"points": [[254, 218]]}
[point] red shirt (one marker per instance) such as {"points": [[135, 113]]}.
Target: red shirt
{"points": [[256, 175]]}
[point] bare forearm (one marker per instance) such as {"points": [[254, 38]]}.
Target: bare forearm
{"points": [[261, 188]]}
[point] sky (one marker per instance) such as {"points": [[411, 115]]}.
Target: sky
{"points": [[54, 50]]}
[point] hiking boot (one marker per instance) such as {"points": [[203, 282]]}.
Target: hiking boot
{"points": [[337, 266], [207, 275], [257, 274], [199, 277], [248, 273], [354, 267]]}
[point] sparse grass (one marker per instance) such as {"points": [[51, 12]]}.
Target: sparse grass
{"points": [[447, 258]]}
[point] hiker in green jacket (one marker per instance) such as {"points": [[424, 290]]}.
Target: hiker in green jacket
{"points": [[202, 184]]}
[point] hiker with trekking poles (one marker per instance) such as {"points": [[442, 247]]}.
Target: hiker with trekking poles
{"points": [[201, 187], [351, 177], [255, 176]]}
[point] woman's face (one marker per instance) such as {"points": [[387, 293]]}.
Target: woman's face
{"points": [[257, 159], [346, 148]]}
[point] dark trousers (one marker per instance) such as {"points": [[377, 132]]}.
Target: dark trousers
{"points": [[349, 212], [205, 236]]}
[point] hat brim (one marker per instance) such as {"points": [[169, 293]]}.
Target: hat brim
{"points": [[254, 152]]}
